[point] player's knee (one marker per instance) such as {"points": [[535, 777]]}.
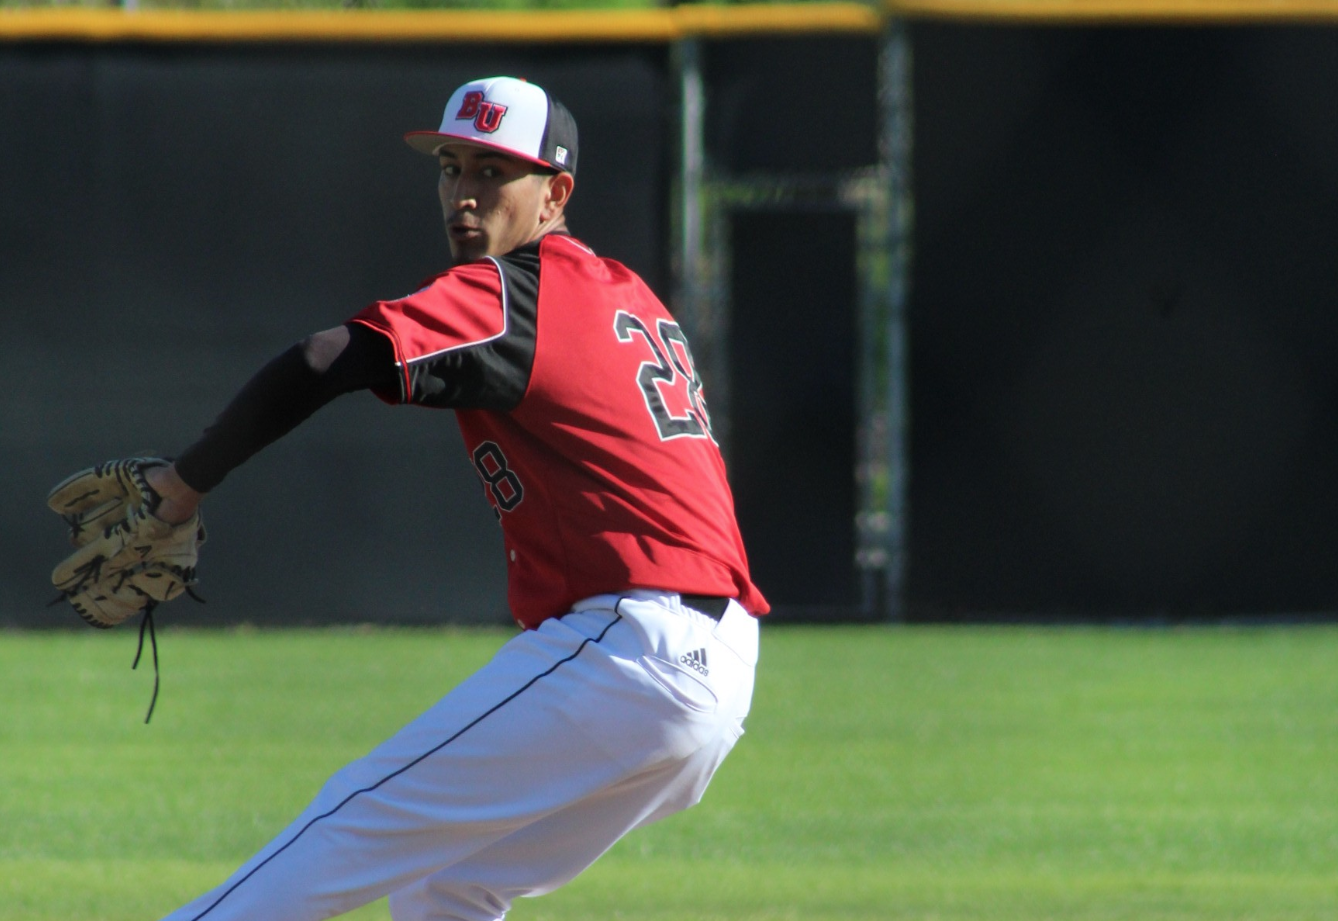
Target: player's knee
{"points": [[439, 900]]}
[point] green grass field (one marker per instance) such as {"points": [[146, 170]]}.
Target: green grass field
{"points": [[918, 773]]}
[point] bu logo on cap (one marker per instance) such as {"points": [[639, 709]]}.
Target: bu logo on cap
{"points": [[487, 115]]}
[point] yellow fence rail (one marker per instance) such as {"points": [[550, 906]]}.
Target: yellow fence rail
{"points": [[657, 25], [643, 25], [1096, 12]]}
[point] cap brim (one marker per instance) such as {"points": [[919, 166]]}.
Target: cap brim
{"points": [[429, 142]]}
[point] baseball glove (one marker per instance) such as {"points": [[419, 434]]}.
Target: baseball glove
{"points": [[126, 560]]}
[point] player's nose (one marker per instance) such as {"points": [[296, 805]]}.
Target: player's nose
{"points": [[456, 194]]}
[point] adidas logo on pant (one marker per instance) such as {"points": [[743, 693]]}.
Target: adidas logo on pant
{"points": [[695, 660]]}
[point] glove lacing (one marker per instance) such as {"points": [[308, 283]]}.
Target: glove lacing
{"points": [[146, 623]]}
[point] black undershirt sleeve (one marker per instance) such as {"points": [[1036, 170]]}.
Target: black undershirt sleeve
{"points": [[285, 392]]}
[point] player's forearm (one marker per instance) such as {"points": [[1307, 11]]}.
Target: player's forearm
{"points": [[272, 403], [281, 396]]}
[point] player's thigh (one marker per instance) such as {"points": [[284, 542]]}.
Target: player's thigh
{"points": [[552, 851], [499, 747]]}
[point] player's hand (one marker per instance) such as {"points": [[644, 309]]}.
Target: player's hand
{"points": [[178, 502]]}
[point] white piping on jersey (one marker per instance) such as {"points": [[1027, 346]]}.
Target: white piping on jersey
{"points": [[572, 240], [506, 325]]}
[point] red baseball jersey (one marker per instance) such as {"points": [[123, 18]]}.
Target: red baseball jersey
{"points": [[583, 414]]}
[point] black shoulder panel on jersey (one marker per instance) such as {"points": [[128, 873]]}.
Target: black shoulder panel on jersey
{"points": [[494, 374]]}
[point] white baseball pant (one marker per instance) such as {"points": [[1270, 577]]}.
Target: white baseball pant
{"points": [[603, 720]]}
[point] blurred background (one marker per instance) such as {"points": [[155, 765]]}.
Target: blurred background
{"points": [[1005, 318]]}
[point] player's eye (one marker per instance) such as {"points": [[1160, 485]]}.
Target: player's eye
{"points": [[450, 169], [491, 172]]}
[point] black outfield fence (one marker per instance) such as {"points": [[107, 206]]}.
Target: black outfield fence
{"points": [[1026, 316]]}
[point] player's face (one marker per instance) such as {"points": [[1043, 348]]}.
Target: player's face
{"points": [[493, 203]]}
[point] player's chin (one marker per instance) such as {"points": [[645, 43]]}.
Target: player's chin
{"points": [[467, 246]]}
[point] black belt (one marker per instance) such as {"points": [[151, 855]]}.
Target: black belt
{"points": [[713, 606]]}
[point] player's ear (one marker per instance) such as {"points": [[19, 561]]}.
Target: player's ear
{"points": [[558, 192]]}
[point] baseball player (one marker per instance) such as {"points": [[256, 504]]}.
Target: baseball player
{"points": [[584, 417]]}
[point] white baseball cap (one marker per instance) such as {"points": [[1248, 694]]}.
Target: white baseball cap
{"points": [[506, 114]]}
